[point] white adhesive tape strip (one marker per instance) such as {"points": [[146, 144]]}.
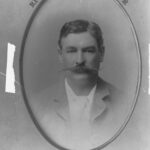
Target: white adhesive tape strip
{"points": [[10, 74]]}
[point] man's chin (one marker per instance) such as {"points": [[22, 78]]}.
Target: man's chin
{"points": [[80, 76]]}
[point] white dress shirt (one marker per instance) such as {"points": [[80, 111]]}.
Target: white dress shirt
{"points": [[80, 107]]}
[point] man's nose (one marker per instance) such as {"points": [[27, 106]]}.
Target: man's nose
{"points": [[80, 58]]}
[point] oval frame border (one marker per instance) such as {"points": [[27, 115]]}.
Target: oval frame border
{"points": [[25, 35]]}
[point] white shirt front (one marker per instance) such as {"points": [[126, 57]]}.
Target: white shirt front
{"points": [[80, 107]]}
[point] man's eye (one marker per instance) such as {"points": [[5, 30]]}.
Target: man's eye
{"points": [[71, 50], [90, 50]]}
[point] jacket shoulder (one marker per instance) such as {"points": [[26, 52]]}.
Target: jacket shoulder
{"points": [[43, 101], [102, 84], [114, 96]]}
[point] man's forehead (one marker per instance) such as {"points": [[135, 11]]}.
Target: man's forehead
{"points": [[83, 38]]}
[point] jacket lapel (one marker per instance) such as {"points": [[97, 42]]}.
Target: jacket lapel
{"points": [[99, 104], [61, 102]]}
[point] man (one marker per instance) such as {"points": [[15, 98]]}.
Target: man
{"points": [[80, 111]]}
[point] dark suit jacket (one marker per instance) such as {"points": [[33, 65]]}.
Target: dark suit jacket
{"points": [[52, 112]]}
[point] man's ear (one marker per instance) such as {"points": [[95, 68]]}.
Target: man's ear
{"points": [[102, 53], [59, 50]]}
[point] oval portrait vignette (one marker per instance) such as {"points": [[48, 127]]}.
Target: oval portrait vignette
{"points": [[80, 71]]}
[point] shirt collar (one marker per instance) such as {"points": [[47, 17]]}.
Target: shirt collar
{"points": [[70, 92]]}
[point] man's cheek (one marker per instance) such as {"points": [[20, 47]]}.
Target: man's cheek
{"points": [[68, 63]]}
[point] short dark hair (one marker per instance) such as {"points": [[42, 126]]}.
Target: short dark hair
{"points": [[79, 26]]}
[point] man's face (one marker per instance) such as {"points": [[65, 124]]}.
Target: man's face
{"points": [[80, 55]]}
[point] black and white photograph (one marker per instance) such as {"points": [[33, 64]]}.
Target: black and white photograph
{"points": [[74, 75], [80, 81]]}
